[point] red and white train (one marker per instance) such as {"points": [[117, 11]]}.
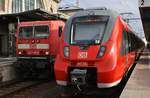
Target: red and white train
{"points": [[97, 50], [37, 44]]}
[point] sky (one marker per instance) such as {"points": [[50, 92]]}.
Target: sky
{"points": [[120, 6]]}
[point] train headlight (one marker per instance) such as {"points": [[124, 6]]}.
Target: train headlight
{"points": [[37, 41], [47, 53], [20, 52], [101, 51], [66, 51]]}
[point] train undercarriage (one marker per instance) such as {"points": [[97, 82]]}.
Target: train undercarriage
{"points": [[90, 89], [83, 86], [31, 68]]}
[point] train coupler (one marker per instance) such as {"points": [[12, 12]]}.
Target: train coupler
{"points": [[78, 78]]}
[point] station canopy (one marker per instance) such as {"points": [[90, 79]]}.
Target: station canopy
{"points": [[32, 15]]}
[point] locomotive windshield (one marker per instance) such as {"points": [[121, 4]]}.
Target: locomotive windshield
{"points": [[26, 32], [34, 32], [41, 31], [88, 30]]}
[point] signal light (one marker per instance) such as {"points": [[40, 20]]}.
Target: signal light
{"points": [[33, 41], [66, 51], [101, 51], [38, 41]]}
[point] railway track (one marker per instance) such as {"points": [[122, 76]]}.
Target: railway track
{"points": [[43, 90], [16, 86], [7, 61], [7, 83]]}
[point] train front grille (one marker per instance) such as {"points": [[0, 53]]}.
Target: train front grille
{"points": [[83, 76]]}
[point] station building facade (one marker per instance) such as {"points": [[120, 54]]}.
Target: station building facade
{"points": [[17, 6]]}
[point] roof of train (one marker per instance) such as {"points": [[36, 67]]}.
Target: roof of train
{"points": [[106, 12]]}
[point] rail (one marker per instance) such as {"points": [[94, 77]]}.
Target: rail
{"points": [[17, 86]]}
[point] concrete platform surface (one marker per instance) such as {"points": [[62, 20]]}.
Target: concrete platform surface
{"points": [[7, 59], [138, 85], [7, 70]]}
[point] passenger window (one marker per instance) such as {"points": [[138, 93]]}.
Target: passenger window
{"points": [[124, 47]]}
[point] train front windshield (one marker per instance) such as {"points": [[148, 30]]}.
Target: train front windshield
{"points": [[41, 31], [34, 32], [88, 30]]}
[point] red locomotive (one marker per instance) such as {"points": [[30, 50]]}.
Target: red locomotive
{"points": [[36, 46], [97, 50]]}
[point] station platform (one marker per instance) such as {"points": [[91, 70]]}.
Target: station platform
{"points": [[138, 85], [7, 70], [7, 61]]}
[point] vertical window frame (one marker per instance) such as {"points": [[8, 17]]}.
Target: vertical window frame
{"points": [[29, 5]]}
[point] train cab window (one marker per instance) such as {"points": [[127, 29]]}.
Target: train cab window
{"points": [[82, 33], [41, 31], [25, 32], [124, 47]]}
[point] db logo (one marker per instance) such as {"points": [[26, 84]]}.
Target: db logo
{"points": [[82, 55]]}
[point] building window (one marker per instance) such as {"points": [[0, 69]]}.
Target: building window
{"points": [[29, 5], [16, 6], [25, 5], [2, 5], [39, 4]]}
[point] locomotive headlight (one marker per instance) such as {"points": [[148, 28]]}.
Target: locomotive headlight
{"points": [[19, 52], [37, 41], [66, 51], [47, 53], [101, 51]]}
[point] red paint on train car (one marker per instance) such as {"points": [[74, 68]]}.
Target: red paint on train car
{"points": [[97, 49], [37, 44], [38, 39]]}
